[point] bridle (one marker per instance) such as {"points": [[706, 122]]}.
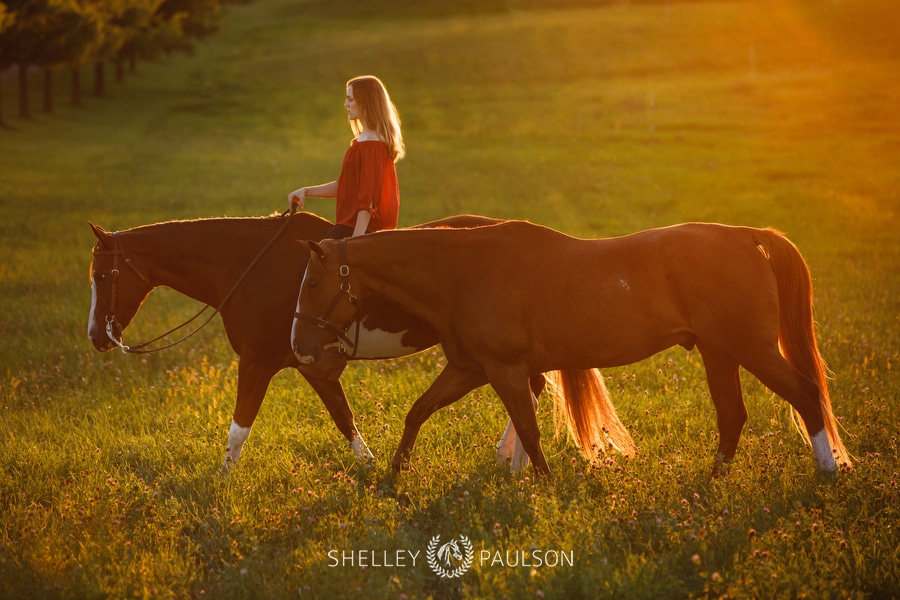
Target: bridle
{"points": [[145, 348], [117, 252], [323, 321]]}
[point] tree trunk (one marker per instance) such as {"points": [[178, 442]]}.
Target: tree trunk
{"points": [[3, 125], [23, 92], [48, 91], [76, 87], [99, 79]]}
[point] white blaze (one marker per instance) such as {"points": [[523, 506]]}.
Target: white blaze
{"points": [[305, 360], [91, 324]]}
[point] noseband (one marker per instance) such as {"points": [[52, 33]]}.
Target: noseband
{"points": [[323, 321]]}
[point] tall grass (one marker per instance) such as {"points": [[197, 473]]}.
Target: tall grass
{"points": [[596, 121]]}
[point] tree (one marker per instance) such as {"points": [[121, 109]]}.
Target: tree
{"points": [[45, 33], [148, 28], [17, 41], [141, 26], [192, 19], [111, 35], [51, 34], [7, 18], [70, 34]]}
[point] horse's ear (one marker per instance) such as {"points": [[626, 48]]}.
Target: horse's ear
{"points": [[315, 249], [101, 233]]}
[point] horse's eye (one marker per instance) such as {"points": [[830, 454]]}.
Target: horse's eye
{"points": [[99, 276]]}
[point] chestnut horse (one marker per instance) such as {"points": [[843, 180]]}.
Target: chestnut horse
{"points": [[204, 259], [514, 299]]}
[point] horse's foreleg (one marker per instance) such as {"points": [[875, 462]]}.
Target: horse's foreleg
{"points": [[335, 400], [237, 435], [520, 401], [723, 378], [452, 384], [510, 447], [253, 381]]}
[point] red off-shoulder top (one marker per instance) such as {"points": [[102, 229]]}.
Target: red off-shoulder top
{"points": [[368, 181]]}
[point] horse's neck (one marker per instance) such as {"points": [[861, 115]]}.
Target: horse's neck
{"points": [[405, 278], [187, 258], [418, 270]]}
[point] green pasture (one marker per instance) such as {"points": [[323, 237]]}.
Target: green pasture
{"points": [[595, 121]]}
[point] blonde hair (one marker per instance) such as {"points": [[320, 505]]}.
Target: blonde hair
{"points": [[378, 112]]}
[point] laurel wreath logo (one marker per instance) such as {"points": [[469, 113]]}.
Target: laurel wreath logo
{"points": [[438, 553]]}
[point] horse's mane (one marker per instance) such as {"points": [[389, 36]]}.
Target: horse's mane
{"points": [[451, 222], [213, 221]]}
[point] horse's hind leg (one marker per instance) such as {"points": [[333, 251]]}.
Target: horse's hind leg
{"points": [[723, 378], [452, 384], [802, 393]]}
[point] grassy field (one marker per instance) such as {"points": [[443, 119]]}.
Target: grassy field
{"points": [[595, 121]]}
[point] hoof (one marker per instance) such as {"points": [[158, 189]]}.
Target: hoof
{"points": [[720, 466]]}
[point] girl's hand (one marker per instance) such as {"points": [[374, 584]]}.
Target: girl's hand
{"points": [[295, 200]]}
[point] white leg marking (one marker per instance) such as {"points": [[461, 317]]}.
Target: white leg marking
{"points": [[511, 449], [360, 449], [507, 443], [822, 450], [520, 457], [237, 435]]}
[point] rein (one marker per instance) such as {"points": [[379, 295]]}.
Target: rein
{"points": [[323, 321], [144, 348]]}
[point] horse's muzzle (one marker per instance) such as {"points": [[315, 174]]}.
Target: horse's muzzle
{"points": [[305, 360], [99, 339], [103, 345], [307, 356], [319, 362]]}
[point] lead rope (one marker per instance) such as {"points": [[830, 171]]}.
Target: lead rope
{"points": [[143, 347]]}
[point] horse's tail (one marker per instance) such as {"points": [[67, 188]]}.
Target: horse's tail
{"points": [[796, 328], [582, 402]]}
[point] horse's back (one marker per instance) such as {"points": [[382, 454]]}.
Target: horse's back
{"points": [[650, 290], [707, 246]]}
